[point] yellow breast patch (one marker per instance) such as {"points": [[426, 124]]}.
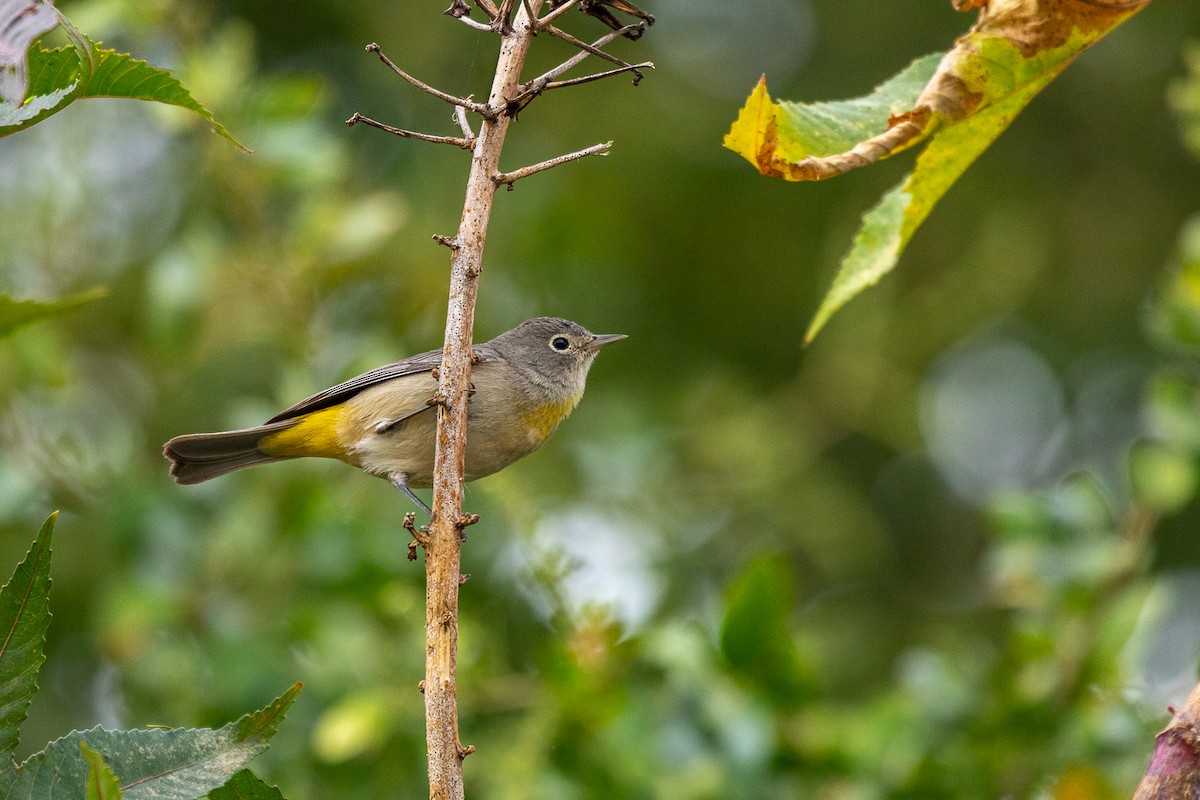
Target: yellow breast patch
{"points": [[315, 434], [540, 422]]}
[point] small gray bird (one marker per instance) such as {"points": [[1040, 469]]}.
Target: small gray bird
{"points": [[525, 382]]}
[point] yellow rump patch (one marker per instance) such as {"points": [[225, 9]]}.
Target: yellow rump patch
{"points": [[314, 434]]}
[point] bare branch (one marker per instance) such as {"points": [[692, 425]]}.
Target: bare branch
{"points": [[474, 23], [460, 116], [443, 556], [594, 49], [488, 7], [555, 14], [465, 144], [535, 87], [634, 68], [509, 178], [517, 24], [479, 108]]}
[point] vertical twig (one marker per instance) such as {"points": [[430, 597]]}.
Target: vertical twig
{"points": [[442, 563], [517, 24]]}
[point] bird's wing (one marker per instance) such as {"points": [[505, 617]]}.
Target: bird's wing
{"points": [[423, 362]]}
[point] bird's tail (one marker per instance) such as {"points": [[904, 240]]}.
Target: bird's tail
{"points": [[197, 457]]}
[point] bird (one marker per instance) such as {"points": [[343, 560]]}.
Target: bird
{"points": [[524, 383]]}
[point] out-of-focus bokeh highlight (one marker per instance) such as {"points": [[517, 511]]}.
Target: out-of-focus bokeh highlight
{"points": [[949, 551]]}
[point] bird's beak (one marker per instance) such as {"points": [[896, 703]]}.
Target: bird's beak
{"points": [[601, 339]]}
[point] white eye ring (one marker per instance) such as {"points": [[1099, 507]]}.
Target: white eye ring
{"points": [[560, 344]]}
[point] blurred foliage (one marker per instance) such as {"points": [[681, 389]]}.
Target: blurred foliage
{"points": [[948, 551]]}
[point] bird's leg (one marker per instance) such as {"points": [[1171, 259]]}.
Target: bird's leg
{"points": [[400, 481]]}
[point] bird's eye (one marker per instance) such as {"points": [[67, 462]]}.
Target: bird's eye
{"points": [[560, 343]]}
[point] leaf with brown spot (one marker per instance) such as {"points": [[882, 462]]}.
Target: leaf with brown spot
{"points": [[958, 102]]}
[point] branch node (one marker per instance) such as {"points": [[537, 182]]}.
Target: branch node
{"points": [[421, 686], [438, 399], [463, 577], [458, 9], [502, 19], [420, 536], [446, 241], [466, 520], [463, 752]]}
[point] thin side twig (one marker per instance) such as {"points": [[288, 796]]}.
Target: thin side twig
{"points": [[537, 86], [555, 14], [465, 144], [479, 108], [509, 178], [634, 68], [487, 7], [594, 49], [473, 23], [460, 116]]}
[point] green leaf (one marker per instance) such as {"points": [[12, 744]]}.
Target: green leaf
{"points": [[24, 618], [756, 636], [101, 782], [85, 69], [971, 95], [887, 228], [246, 786], [15, 314], [778, 137], [154, 764]]}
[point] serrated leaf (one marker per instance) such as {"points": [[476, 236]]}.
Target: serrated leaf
{"points": [[85, 69], [887, 228], [153, 764], [246, 786], [971, 96], [21, 21], [24, 618], [15, 314], [101, 783]]}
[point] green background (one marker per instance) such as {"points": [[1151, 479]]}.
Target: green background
{"points": [[946, 551]]}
